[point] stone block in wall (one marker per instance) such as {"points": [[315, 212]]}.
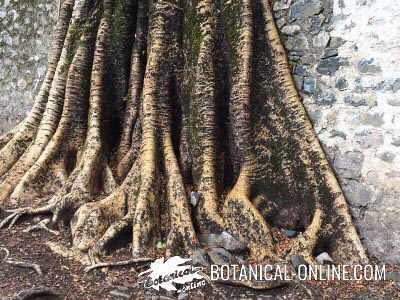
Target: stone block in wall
{"points": [[26, 34]]}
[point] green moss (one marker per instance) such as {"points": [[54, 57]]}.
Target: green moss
{"points": [[82, 31], [118, 21], [75, 35], [191, 28], [231, 14], [192, 38]]}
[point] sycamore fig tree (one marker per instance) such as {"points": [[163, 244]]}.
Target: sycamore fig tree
{"points": [[147, 101]]}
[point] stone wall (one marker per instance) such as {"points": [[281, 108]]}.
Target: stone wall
{"points": [[346, 62], [25, 36], [345, 56]]}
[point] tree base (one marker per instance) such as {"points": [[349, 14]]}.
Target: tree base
{"points": [[207, 104]]}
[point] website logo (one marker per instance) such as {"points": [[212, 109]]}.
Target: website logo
{"points": [[175, 270]]}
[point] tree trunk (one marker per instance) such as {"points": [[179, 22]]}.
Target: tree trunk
{"points": [[145, 102]]}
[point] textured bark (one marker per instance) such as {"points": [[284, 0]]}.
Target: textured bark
{"points": [[145, 102]]}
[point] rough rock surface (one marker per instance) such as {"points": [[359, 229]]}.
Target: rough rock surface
{"points": [[25, 38], [349, 68]]}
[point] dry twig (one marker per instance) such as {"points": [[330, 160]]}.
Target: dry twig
{"points": [[118, 263], [22, 264]]}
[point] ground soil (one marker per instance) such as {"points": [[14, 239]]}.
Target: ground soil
{"points": [[69, 280]]}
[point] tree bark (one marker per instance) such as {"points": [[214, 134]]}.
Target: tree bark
{"points": [[145, 102]]}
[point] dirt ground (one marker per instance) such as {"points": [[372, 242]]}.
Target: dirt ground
{"points": [[69, 280]]}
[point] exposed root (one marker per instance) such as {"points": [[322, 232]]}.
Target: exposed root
{"points": [[252, 229], [21, 264], [94, 220], [18, 213], [118, 263], [34, 293], [73, 254], [138, 66], [126, 162], [73, 98], [110, 184], [69, 253], [21, 140], [208, 219], [56, 206], [42, 225], [22, 152], [144, 216], [144, 228], [95, 224], [182, 237], [306, 242], [81, 183], [340, 216], [5, 138]]}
